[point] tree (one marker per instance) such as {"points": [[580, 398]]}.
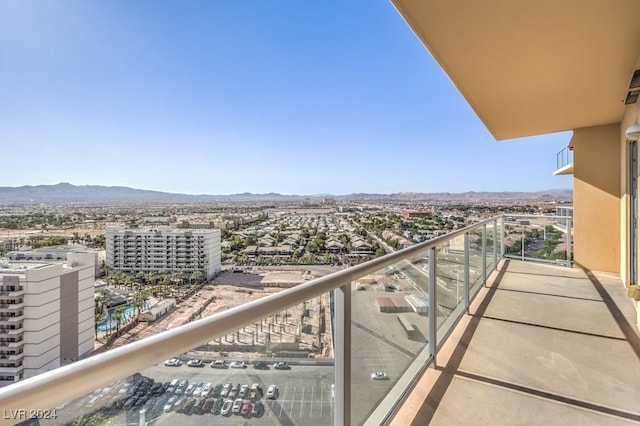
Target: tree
{"points": [[99, 317], [139, 300], [119, 314]]}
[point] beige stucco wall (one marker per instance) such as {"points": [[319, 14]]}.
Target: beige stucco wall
{"points": [[597, 197]]}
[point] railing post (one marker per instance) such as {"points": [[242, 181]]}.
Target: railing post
{"points": [[342, 335], [432, 304], [466, 272], [484, 253], [569, 226], [503, 234], [495, 245]]}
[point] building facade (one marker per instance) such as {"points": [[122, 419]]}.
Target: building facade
{"points": [[54, 253], [46, 315], [134, 250]]}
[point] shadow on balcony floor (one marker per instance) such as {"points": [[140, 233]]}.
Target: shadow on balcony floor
{"points": [[542, 345]]}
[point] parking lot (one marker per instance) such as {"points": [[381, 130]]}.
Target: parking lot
{"points": [[304, 396]]}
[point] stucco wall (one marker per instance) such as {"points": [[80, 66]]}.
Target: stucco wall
{"points": [[597, 197]]}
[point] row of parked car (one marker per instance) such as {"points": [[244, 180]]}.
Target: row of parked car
{"points": [[221, 363], [189, 398]]}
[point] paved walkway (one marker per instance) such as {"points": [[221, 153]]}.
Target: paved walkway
{"points": [[543, 345]]}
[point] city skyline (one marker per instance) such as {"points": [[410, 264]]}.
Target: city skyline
{"points": [[226, 98]]}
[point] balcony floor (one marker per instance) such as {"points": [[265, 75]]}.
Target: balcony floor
{"points": [[543, 345]]}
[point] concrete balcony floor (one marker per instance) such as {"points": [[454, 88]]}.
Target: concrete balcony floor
{"points": [[543, 344]]}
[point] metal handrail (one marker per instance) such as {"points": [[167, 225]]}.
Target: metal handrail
{"points": [[564, 157], [83, 377]]}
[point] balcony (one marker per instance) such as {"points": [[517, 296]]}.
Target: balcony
{"points": [[529, 340], [564, 162]]}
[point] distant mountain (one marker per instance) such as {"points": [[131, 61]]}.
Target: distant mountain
{"points": [[471, 196], [68, 193]]}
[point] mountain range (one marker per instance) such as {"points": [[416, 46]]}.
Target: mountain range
{"points": [[68, 193]]}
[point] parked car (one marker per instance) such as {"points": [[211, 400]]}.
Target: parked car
{"points": [[238, 364], [226, 389], [255, 392], [281, 365], [220, 363], [217, 389], [237, 406], [257, 409], [233, 393], [226, 407], [173, 384], [244, 391], [195, 363], [245, 411], [190, 389], [208, 404], [189, 406], [173, 362], [217, 406], [272, 392], [169, 405], [198, 389], [206, 390], [379, 375], [261, 365], [182, 387], [179, 403]]}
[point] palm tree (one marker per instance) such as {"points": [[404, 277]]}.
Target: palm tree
{"points": [[99, 317], [119, 314], [139, 300]]}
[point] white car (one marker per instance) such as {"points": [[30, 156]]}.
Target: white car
{"points": [[226, 408], [198, 390], [238, 364], [173, 362], [379, 375], [206, 390], [169, 405], [237, 406], [272, 392], [244, 391]]}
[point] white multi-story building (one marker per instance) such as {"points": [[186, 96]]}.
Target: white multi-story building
{"points": [[134, 250], [46, 315]]}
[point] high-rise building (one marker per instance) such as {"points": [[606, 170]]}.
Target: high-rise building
{"points": [[135, 250], [46, 315]]}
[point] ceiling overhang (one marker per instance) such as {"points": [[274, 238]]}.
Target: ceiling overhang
{"points": [[533, 67]]}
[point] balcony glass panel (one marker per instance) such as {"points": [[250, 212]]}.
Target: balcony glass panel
{"points": [[490, 245], [290, 350], [449, 277], [540, 238], [389, 329], [475, 260]]}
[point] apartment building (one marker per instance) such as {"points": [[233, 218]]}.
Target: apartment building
{"points": [[46, 314], [134, 250], [54, 253]]}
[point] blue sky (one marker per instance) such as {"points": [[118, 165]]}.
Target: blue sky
{"points": [[222, 97]]}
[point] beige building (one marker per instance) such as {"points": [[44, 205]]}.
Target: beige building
{"points": [[134, 250], [46, 315], [531, 68]]}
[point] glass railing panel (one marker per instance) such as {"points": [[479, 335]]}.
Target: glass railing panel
{"points": [[389, 335], [279, 371], [476, 279], [449, 277], [490, 246], [539, 238]]}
